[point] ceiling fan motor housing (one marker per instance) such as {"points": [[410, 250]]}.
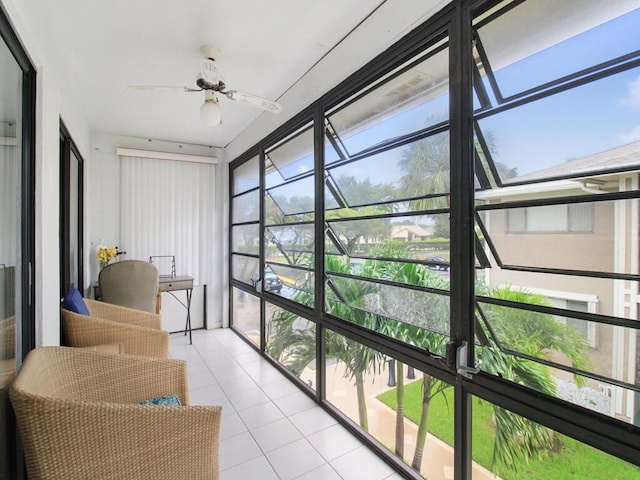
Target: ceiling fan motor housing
{"points": [[216, 87]]}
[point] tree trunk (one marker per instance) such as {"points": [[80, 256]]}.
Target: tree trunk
{"points": [[427, 383], [362, 401], [400, 410]]}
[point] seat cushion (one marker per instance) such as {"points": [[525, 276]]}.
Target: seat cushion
{"points": [[166, 400], [74, 302]]}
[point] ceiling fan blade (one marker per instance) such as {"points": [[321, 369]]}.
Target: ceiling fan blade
{"points": [[261, 102], [163, 87]]}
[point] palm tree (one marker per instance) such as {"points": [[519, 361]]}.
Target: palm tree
{"points": [[292, 346], [296, 347], [426, 171], [357, 358], [428, 336], [538, 335]]}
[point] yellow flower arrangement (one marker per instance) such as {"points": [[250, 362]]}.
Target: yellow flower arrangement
{"points": [[105, 254]]}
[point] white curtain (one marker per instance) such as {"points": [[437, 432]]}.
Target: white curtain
{"points": [[167, 208]]}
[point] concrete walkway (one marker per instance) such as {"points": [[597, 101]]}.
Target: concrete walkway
{"points": [[437, 461]]}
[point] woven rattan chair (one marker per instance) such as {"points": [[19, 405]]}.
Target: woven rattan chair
{"points": [[140, 332], [7, 371], [79, 417], [130, 283]]}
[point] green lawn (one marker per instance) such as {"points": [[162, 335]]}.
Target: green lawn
{"points": [[575, 461]]}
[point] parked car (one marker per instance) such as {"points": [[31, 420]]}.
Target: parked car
{"points": [[271, 282], [437, 262]]}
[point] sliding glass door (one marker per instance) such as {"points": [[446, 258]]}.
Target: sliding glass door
{"points": [[17, 120]]}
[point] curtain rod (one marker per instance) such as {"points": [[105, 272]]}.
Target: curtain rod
{"points": [[181, 157]]}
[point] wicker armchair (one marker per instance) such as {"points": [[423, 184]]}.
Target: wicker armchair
{"points": [[7, 371], [140, 332], [79, 417]]}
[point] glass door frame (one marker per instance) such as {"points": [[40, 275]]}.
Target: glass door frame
{"points": [[25, 271], [71, 184]]}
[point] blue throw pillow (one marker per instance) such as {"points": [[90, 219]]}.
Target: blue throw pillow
{"points": [[74, 302], [167, 400]]}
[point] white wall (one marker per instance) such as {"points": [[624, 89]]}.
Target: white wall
{"points": [[54, 101]]}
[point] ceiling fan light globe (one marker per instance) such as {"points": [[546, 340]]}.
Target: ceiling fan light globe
{"points": [[210, 113]]}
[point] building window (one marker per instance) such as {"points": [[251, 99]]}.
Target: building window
{"points": [[573, 218]]}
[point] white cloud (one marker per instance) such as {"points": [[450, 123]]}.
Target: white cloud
{"points": [[631, 136], [633, 95]]}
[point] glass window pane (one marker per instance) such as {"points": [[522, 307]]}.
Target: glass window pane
{"points": [[246, 176], [414, 100], [363, 384], [332, 153], [292, 244], [574, 133], [244, 268], [415, 170], [297, 284], [295, 157], [558, 43], [422, 238], [435, 274], [246, 207], [272, 176], [291, 341], [565, 343], [512, 446], [245, 239], [426, 310], [246, 314], [295, 197], [288, 213], [586, 236]]}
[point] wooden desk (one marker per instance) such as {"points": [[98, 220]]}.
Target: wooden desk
{"points": [[176, 284]]}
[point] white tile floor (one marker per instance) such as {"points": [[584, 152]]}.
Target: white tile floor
{"points": [[270, 429]]}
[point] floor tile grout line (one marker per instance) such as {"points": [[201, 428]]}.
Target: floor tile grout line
{"points": [[305, 437]]}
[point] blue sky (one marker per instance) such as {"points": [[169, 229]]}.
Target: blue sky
{"points": [[574, 124], [577, 123]]}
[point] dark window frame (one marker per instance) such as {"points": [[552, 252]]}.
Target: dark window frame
{"points": [[605, 433]]}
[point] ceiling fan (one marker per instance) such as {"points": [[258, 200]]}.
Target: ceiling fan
{"points": [[210, 82]]}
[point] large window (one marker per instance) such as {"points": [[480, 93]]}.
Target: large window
{"points": [[245, 222], [289, 204], [562, 147], [452, 237]]}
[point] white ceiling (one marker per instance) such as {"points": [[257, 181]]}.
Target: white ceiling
{"points": [[266, 46]]}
